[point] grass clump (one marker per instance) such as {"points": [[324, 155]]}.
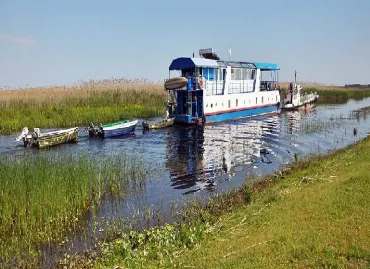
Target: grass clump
{"points": [[43, 199]]}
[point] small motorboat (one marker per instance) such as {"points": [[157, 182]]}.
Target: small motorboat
{"points": [[158, 124], [296, 98], [112, 129], [48, 139]]}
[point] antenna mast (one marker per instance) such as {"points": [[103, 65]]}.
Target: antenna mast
{"points": [[295, 76]]}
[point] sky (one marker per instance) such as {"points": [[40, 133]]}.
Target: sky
{"points": [[46, 43]]}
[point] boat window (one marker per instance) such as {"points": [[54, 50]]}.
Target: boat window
{"points": [[256, 100], [208, 73], [236, 103], [229, 103], [232, 74], [237, 74], [262, 99]]}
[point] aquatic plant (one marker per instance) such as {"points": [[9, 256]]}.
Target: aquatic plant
{"points": [[44, 198]]}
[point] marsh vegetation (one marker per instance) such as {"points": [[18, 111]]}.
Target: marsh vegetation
{"points": [[43, 199], [77, 105]]}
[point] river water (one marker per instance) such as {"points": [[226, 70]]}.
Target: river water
{"points": [[185, 162]]}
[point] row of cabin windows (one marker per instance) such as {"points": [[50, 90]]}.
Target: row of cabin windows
{"points": [[237, 102], [236, 74]]}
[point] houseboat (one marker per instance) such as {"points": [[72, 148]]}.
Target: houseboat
{"points": [[207, 89]]}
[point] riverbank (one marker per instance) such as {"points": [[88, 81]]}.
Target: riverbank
{"points": [[313, 213], [77, 105]]}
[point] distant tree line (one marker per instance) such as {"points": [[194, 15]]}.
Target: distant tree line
{"points": [[357, 86]]}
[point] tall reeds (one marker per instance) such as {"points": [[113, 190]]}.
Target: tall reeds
{"points": [[103, 101], [43, 198]]}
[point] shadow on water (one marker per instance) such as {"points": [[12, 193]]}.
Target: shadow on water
{"points": [[187, 162]]}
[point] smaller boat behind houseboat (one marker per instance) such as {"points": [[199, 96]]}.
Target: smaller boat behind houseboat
{"points": [[48, 139], [296, 98], [158, 124], [114, 129]]}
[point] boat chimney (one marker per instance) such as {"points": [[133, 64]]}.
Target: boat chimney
{"points": [[208, 54]]}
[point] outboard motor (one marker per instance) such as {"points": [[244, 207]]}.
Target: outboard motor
{"points": [[23, 134], [100, 131], [35, 135]]}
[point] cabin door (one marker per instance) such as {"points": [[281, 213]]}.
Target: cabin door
{"points": [[197, 104]]}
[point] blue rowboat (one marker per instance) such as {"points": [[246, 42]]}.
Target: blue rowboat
{"points": [[112, 129]]}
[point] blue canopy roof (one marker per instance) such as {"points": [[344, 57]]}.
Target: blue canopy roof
{"points": [[266, 66], [185, 62]]}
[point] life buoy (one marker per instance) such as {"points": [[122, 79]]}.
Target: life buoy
{"points": [[201, 82]]}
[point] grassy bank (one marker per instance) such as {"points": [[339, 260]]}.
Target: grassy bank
{"points": [[312, 214], [42, 199], [98, 101]]}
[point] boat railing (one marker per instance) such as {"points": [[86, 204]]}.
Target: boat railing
{"points": [[241, 86], [215, 87]]}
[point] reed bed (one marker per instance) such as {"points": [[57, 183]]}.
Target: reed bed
{"points": [[77, 105], [44, 198], [330, 94]]}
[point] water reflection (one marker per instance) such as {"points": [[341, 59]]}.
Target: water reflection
{"points": [[201, 157]]}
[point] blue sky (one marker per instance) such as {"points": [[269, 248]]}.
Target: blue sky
{"points": [[61, 42]]}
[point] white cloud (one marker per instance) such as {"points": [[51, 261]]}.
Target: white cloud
{"points": [[20, 40]]}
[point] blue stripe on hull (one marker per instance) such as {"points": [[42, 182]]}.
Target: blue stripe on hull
{"points": [[187, 119], [242, 113], [120, 131]]}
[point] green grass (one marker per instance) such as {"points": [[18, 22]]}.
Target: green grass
{"points": [[43, 199], [314, 214]]}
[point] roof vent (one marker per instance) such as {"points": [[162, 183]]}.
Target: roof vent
{"points": [[208, 54]]}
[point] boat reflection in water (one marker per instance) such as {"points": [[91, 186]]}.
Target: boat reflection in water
{"points": [[202, 157]]}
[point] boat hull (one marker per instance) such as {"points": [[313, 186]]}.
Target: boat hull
{"points": [[159, 124], [119, 131], [113, 129], [53, 140], [229, 115], [43, 140], [308, 105]]}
